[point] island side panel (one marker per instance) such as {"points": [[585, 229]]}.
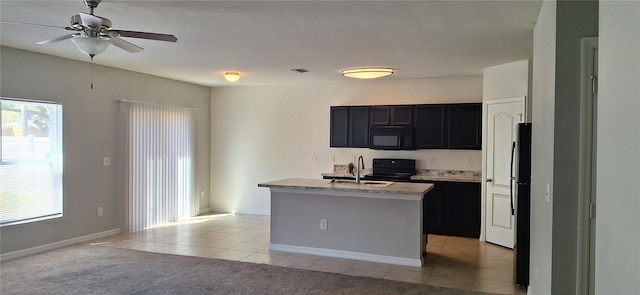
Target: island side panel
{"points": [[387, 227]]}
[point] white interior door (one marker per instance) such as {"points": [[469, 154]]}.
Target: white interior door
{"points": [[503, 116]]}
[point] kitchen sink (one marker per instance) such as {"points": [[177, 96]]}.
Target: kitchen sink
{"points": [[363, 182]]}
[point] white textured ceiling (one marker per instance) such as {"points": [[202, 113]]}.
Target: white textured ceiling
{"points": [[264, 39]]}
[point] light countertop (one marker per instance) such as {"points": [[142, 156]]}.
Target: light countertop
{"points": [[407, 189], [452, 177]]}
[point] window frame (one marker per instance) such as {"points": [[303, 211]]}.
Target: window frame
{"points": [[56, 150]]}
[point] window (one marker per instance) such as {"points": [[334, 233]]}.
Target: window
{"points": [[30, 161]]}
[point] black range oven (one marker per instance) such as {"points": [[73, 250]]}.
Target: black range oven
{"points": [[392, 169]]}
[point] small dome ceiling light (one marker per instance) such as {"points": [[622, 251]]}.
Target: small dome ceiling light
{"points": [[367, 73], [91, 46], [232, 76]]}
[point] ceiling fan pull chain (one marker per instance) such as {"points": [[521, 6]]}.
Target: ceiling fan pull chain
{"points": [[91, 72]]}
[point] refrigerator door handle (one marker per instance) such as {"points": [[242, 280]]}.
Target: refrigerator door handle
{"points": [[513, 154]]}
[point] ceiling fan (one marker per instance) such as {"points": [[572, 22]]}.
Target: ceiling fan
{"points": [[94, 33]]}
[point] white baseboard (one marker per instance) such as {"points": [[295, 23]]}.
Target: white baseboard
{"points": [[205, 210], [51, 246], [348, 255], [240, 211]]}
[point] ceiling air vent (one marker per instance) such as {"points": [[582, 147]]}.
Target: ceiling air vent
{"points": [[300, 70]]}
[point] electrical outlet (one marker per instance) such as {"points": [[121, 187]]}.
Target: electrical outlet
{"points": [[535, 274], [432, 160], [313, 158], [332, 158], [100, 211], [106, 161], [469, 162], [202, 195], [323, 224]]}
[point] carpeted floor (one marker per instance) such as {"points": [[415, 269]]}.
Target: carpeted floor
{"points": [[84, 269]]}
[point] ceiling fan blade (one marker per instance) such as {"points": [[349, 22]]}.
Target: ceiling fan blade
{"points": [[56, 39], [143, 35], [90, 20], [30, 24], [126, 45]]}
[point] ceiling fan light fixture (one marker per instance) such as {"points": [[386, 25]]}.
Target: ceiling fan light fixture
{"points": [[232, 76], [91, 46], [367, 73]]}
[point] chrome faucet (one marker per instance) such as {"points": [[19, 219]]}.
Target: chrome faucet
{"points": [[360, 159]]}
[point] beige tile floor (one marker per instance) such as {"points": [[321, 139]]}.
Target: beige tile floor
{"points": [[452, 262]]}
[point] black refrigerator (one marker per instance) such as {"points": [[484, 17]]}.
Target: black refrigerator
{"points": [[522, 205]]}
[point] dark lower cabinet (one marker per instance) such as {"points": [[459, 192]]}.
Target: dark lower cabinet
{"points": [[462, 209], [453, 209], [432, 213]]}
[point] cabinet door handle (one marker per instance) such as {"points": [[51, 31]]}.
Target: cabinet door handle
{"points": [[489, 180]]}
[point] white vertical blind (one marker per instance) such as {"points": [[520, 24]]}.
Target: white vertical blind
{"points": [[160, 156]]}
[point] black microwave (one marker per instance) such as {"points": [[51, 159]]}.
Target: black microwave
{"points": [[391, 138]]}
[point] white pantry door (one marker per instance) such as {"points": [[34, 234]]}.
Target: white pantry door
{"points": [[503, 116]]}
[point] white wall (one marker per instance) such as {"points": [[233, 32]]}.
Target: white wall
{"points": [[265, 133], [618, 164], [90, 132], [506, 80], [543, 101]]}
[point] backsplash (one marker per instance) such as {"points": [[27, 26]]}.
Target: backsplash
{"points": [[448, 173]]}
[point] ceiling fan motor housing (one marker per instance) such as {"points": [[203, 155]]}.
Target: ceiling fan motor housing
{"points": [[77, 23]]}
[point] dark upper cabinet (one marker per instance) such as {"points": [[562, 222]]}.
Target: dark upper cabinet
{"points": [[465, 126], [437, 126], [450, 126], [430, 126], [380, 116], [349, 127], [401, 115], [358, 127], [339, 127]]}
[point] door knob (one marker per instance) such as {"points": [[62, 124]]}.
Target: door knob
{"points": [[489, 180]]}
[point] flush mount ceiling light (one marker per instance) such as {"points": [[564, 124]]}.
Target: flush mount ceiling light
{"points": [[232, 76], [367, 73]]}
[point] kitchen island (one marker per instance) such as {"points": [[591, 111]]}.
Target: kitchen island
{"points": [[371, 221]]}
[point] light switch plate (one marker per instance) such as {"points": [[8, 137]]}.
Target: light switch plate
{"points": [[548, 193], [106, 161]]}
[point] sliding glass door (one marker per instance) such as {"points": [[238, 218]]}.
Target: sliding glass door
{"points": [[160, 163]]}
